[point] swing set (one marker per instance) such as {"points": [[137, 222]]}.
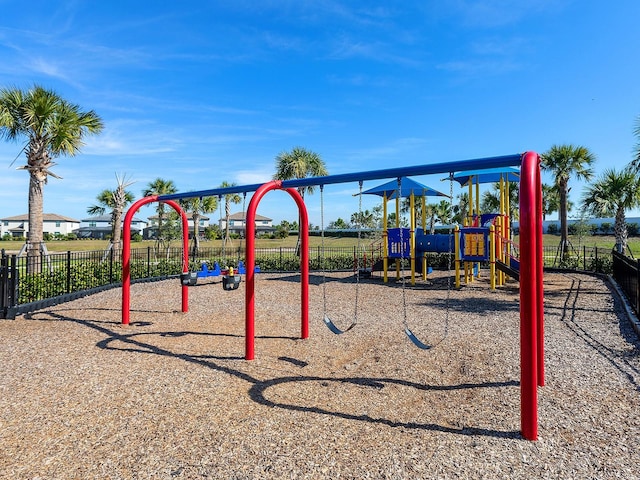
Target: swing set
{"points": [[531, 278]]}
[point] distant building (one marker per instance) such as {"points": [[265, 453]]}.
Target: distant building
{"points": [[99, 227], [52, 223], [151, 231], [237, 223]]}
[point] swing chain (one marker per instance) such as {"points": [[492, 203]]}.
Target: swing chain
{"points": [[322, 261], [357, 259], [405, 321]]}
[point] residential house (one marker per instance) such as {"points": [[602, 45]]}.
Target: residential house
{"points": [[53, 224], [237, 223], [99, 227], [151, 230]]}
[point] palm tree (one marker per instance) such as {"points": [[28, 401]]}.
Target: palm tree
{"points": [[491, 199], [443, 212], [612, 194], [229, 198], [461, 210], [635, 162], [363, 219], [116, 200], [195, 208], [53, 127], [299, 163], [565, 161], [550, 200], [160, 187]]}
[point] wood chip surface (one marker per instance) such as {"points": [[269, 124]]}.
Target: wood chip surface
{"points": [[171, 396]]}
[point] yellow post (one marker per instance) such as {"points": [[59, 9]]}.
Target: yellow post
{"points": [[456, 242], [507, 218], [478, 213], [385, 239], [501, 233], [470, 223], [492, 256], [412, 238]]}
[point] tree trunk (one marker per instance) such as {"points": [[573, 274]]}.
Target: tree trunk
{"points": [[620, 229], [196, 236], [35, 236], [116, 230], [227, 213], [564, 227]]}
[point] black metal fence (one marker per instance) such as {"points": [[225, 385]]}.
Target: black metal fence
{"points": [[589, 259], [626, 271], [27, 284], [30, 284]]}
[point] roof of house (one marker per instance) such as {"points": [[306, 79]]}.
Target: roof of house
{"points": [[107, 218], [189, 216], [47, 217], [242, 215], [98, 218]]}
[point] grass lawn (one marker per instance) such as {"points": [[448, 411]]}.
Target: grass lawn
{"points": [[600, 241]]}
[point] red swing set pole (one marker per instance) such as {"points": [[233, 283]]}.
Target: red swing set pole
{"points": [[531, 295], [126, 253], [250, 229]]}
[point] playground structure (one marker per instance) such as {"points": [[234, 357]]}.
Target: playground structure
{"points": [[483, 237], [531, 290]]}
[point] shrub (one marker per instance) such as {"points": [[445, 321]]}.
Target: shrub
{"points": [[553, 229]]}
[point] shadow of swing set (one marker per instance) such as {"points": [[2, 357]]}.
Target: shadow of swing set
{"points": [[529, 266]]}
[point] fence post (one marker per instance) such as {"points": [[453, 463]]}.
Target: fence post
{"points": [[280, 266], [637, 286], [596, 260], [111, 265], [148, 261], [68, 286], [4, 287]]}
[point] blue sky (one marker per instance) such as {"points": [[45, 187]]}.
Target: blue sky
{"points": [[211, 91]]}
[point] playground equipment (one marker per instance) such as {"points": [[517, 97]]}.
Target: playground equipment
{"points": [[491, 238], [531, 287], [399, 243], [204, 271], [357, 270]]}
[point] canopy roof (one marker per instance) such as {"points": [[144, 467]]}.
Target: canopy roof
{"points": [[489, 175], [408, 186]]}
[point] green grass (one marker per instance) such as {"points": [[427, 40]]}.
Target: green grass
{"points": [[600, 241]]}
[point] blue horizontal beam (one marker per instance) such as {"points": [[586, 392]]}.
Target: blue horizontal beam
{"points": [[426, 169]]}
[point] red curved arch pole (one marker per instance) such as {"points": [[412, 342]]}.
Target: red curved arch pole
{"points": [[531, 294], [126, 253], [251, 261]]}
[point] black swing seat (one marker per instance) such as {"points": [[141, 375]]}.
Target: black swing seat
{"points": [[415, 340], [231, 282], [189, 278], [332, 326]]}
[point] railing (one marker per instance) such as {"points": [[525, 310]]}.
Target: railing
{"points": [[27, 284], [626, 272], [58, 277], [589, 259]]}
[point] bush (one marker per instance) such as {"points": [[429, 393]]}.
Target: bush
{"points": [[632, 229], [553, 229]]}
